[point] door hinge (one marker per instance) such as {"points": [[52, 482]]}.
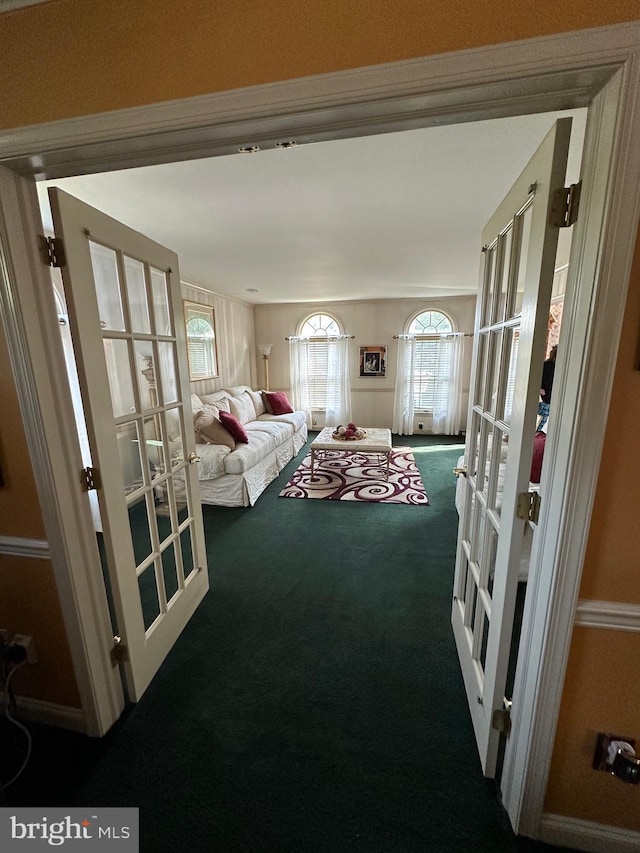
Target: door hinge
{"points": [[501, 720], [90, 479], [119, 653], [460, 471], [53, 251], [528, 506], [564, 206]]}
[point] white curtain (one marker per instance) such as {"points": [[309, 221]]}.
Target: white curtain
{"points": [[299, 370], [447, 398], [403, 406], [338, 384]]}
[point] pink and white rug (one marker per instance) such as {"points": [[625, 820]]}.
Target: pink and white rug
{"points": [[359, 477]]}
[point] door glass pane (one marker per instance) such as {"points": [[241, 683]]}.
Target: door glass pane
{"points": [[499, 449], [146, 375], [188, 554], [129, 451], [497, 367], [153, 447], [161, 302], [116, 353], [166, 352], [524, 232], [140, 532], [483, 341], [170, 571], [492, 550], [137, 293], [149, 598], [513, 338], [484, 639], [104, 263], [489, 284], [503, 290]]}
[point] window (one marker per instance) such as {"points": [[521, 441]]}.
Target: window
{"points": [[430, 360], [201, 341], [318, 329]]}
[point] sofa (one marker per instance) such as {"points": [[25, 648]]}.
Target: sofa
{"points": [[237, 463]]}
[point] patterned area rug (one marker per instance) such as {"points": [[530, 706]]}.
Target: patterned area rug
{"points": [[359, 477]]}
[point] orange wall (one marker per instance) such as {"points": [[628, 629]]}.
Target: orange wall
{"points": [[95, 59], [29, 602], [19, 508], [73, 57]]}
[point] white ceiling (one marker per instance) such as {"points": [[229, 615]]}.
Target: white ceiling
{"points": [[397, 215]]}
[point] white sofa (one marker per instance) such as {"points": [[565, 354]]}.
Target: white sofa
{"points": [[237, 477]]}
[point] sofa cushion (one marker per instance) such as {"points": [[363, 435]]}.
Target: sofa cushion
{"points": [[258, 402], [242, 408], [234, 426], [260, 446], [210, 429], [277, 402], [296, 419], [278, 429]]}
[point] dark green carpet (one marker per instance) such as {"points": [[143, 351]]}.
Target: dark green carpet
{"points": [[314, 702]]}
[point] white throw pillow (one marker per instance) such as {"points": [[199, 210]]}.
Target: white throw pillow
{"points": [[258, 402], [242, 408]]}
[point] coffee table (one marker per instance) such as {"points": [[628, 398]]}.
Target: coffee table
{"points": [[377, 441]]}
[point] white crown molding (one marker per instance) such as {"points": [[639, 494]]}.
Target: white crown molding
{"points": [[439, 89], [613, 615], [588, 836], [18, 547]]}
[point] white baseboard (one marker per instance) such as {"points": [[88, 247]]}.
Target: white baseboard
{"points": [[48, 713], [588, 836]]}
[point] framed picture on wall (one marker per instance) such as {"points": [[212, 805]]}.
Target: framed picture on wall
{"points": [[373, 360], [202, 353]]}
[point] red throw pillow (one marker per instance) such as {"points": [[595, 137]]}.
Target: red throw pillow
{"points": [[278, 402], [233, 425]]}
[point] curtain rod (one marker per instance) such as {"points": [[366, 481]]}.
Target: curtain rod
{"points": [[436, 335], [320, 338]]}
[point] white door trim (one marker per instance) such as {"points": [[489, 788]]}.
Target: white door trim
{"points": [[564, 70], [601, 256], [28, 314]]}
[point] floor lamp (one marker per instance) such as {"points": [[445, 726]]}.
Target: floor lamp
{"points": [[264, 350]]}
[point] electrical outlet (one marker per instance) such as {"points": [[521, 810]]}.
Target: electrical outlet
{"points": [[601, 757], [28, 645], [420, 425]]}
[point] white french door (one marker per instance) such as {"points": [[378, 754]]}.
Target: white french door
{"points": [[125, 312], [519, 250]]}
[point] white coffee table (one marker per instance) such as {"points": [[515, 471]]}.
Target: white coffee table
{"points": [[377, 441]]}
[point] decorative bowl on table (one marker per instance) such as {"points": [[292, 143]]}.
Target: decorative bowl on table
{"points": [[350, 432]]}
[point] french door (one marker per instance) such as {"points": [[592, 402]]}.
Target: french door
{"points": [[519, 250], [125, 313]]}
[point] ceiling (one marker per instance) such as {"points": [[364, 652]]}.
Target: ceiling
{"points": [[397, 215]]}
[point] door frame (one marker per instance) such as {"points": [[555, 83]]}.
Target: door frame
{"points": [[598, 68]]}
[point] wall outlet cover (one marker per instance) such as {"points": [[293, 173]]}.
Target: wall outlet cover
{"points": [[601, 754]]}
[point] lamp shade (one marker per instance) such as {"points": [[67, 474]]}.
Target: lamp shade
{"points": [[264, 349]]}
